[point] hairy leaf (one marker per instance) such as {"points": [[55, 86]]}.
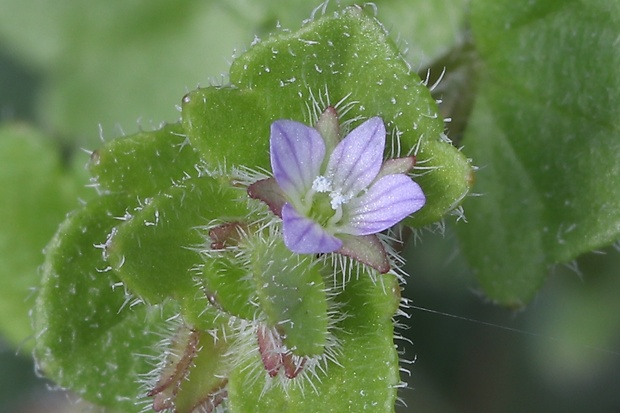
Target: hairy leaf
{"points": [[146, 163]]}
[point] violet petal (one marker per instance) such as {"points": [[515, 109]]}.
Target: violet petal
{"points": [[304, 236], [387, 202], [357, 159], [297, 152]]}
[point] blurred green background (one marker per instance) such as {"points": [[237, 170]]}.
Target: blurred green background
{"points": [[79, 71]]}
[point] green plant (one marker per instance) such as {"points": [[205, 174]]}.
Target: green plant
{"points": [[187, 238]]}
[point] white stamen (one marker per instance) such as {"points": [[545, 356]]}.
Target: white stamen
{"points": [[338, 199], [322, 184]]}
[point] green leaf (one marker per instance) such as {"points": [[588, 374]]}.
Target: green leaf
{"points": [[155, 251], [146, 163], [35, 194], [345, 56], [544, 131], [89, 337], [367, 371]]}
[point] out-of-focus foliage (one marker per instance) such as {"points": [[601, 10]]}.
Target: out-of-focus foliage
{"points": [[544, 132], [124, 63], [36, 191]]}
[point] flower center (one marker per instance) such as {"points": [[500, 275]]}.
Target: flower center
{"points": [[325, 202]]}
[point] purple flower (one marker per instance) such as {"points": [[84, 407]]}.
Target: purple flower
{"points": [[333, 195]]}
